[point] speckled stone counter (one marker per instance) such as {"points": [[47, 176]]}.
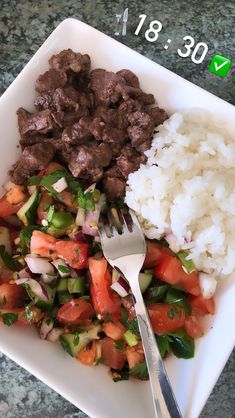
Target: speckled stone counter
{"points": [[24, 25]]}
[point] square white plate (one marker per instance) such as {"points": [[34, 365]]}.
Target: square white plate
{"points": [[90, 388]]}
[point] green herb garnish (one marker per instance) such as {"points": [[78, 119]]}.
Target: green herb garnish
{"points": [[163, 343], [50, 213], [140, 371], [120, 346], [9, 318], [188, 265], [9, 262], [63, 269]]}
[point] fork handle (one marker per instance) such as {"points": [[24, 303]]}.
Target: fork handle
{"points": [[165, 404]]}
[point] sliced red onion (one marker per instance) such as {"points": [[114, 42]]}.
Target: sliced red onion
{"points": [[35, 287], [25, 273], [80, 218], [79, 236], [121, 287], [60, 265], [21, 281], [54, 334], [46, 327], [90, 226], [48, 278], [207, 284], [38, 265]]}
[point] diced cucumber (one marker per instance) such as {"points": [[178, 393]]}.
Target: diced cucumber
{"points": [[28, 213], [145, 280], [74, 342], [64, 297], [62, 285], [57, 233], [76, 285], [130, 338]]}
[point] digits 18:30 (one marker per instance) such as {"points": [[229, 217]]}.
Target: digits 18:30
{"points": [[189, 46]]}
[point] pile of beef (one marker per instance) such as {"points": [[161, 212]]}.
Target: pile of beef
{"points": [[97, 123]]}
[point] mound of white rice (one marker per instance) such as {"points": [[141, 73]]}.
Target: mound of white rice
{"points": [[187, 190]]}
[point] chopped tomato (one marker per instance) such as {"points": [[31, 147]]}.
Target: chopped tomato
{"points": [[74, 253], [169, 269], [154, 253], [114, 330], [43, 206], [166, 318], [53, 166], [105, 300], [135, 355], [69, 200], [193, 327], [12, 295], [111, 356], [201, 306], [15, 195], [88, 355], [5, 275], [23, 318], [7, 208], [43, 244], [75, 312]]}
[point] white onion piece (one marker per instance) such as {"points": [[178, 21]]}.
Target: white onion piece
{"points": [[207, 284], [60, 262], [54, 334], [80, 218], [121, 287], [60, 185], [90, 188], [173, 243], [31, 189], [25, 274], [21, 280], [39, 265], [35, 287], [46, 327]]}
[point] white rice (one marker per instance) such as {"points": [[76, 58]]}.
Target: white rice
{"points": [[187, 189]]}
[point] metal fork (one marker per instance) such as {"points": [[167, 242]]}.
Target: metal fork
{"points": [[118, 18], [125, 251]]}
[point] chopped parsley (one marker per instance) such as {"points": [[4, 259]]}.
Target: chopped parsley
{"points": [[140, 371], [50, 213], [188, 265], [76, 338], [173, 312], [133, 326], [34, 180], [9, 318], [119, 345], [63, 269], [9, 262], [163, 343]]}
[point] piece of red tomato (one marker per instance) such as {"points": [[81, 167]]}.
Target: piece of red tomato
{"points": [[166, 317], [111, 356], [23, 319], [169, 269], [154, 253], [5, 275], [12, 295], [43, 207], [193, 327], [105, 300], [75, 311], [201, 306]]}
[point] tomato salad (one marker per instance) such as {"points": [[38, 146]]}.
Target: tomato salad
{"points": [[54, 275]]}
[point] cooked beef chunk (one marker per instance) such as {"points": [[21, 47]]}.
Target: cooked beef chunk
{"points": [[73, 117], [70, 60], [141, 129], [51, 80], [114, 185], [38, 123], [146, 98], [44, 101], [107, 86], [129, 160], [76, 134], [129, 106], [34, 158], [130, 78], [84, 158], [63, 151], [158, 115], [108, 125], [26, 141], [144, 146]]}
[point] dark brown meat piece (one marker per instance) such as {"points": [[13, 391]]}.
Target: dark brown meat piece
{"points": [[76, 134], [141, 129], [130, 78], [114, 185], [70, 60], [26, 141], [34, 158], [129, 106], [158, 115], [107, 86], [129, 160], [51, 80], [73, 117], [85, 158], [38, 123], [63, 151], [146, 98], [108, 125]]}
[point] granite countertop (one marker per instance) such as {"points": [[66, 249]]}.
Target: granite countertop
{"points": [[24, 26]]}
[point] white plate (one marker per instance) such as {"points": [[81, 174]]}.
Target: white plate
{"points": [[90, 388]]}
